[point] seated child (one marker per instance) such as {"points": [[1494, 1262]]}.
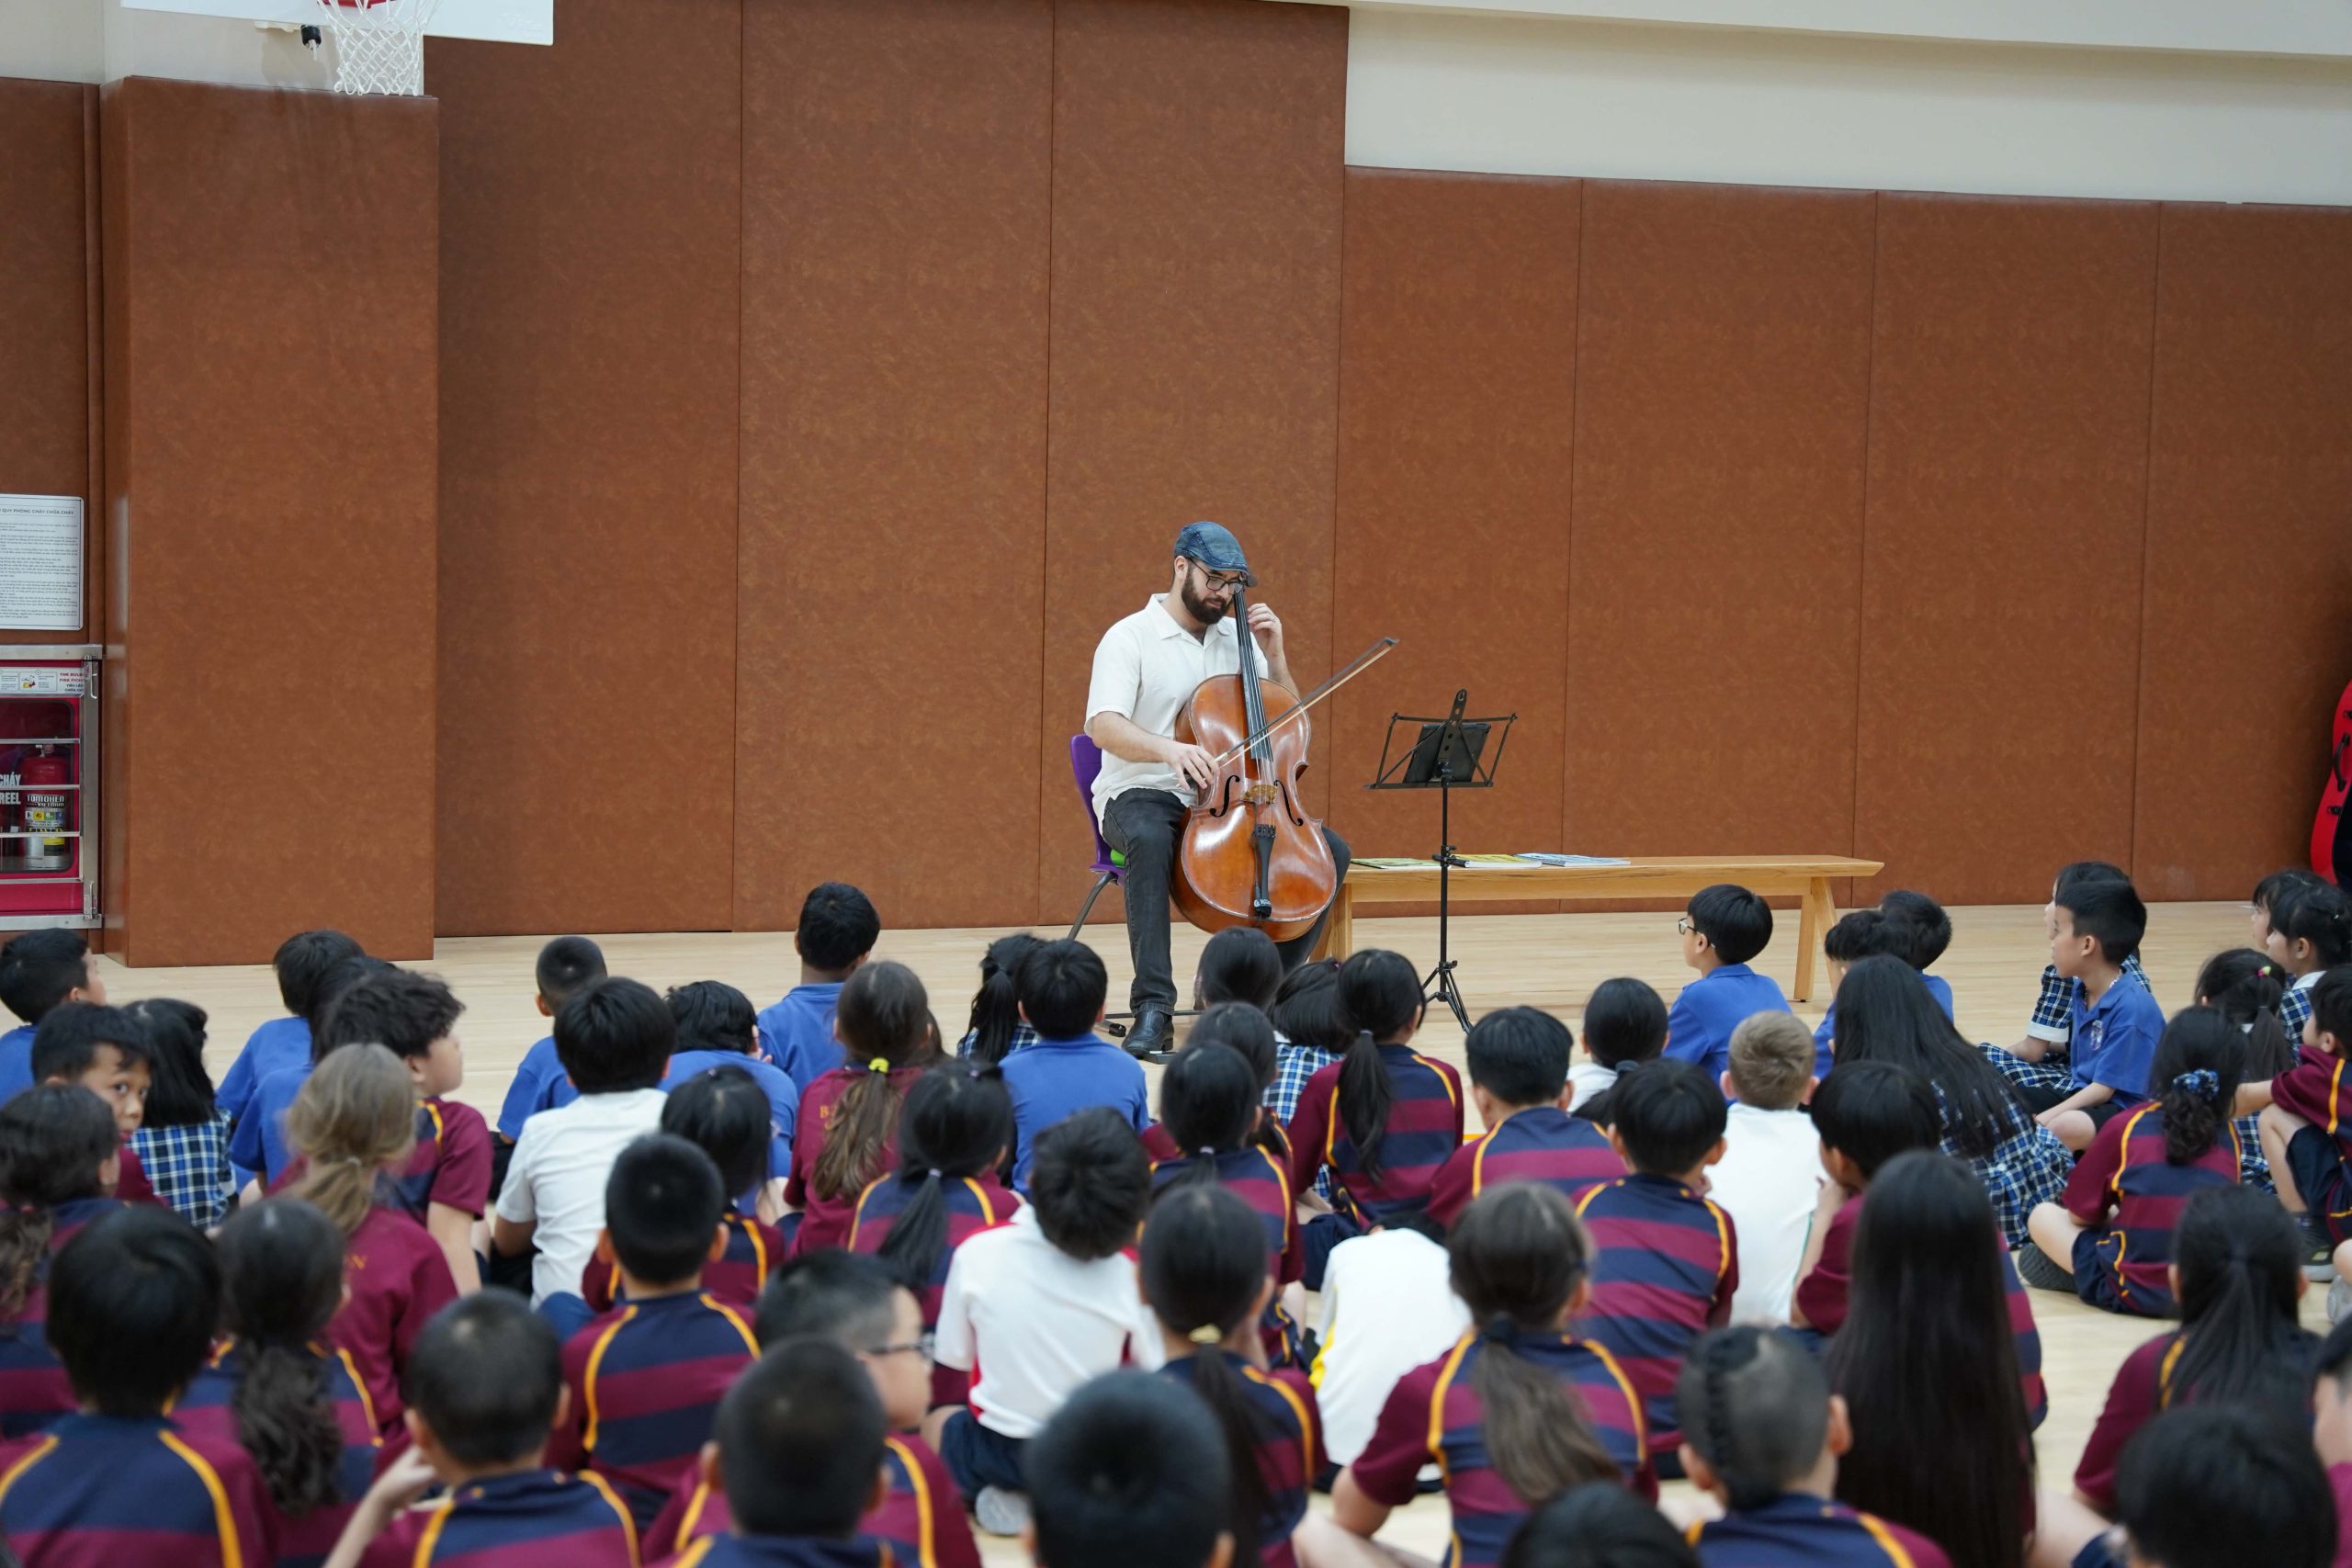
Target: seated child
{"points": [[1310, 1033], [1382, 1119], [182, 1140], [722, 1112], [134, 1298], [1209, 1107], [1240, 964], [848, 1130], [1928, 928], [646, 1377], [614, 1038], [1858, 934], [102, 1049], [1386, 1306], [2110, 1238], [2116, 1022], [1132, 1469], [2245, 987], [853, 1303], [566, 966], [1669, 1263], [2310, 933], [297, 1409], [40, 971], [1864, 1116], [1035, 1308], [801, 1455], [1241, 1028], [1519, 1076], [2203, 1484], [836, 934], [954, 1140], [59, 1151], [257, 1142], [1062, 988], [488, 1386], [717, 1028], [354, 1123], [1521, 1409], [1763, 1433], [301, 961], [2037, 1063], [1722, 928], [1203, 1273], [2237, 1275], [1625, 1024], [1770, 1178], [2306, 1141], [1598, 1525], [995, 1028]]}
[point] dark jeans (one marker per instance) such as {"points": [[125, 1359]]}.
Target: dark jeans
{"points": [[1145, 825]]}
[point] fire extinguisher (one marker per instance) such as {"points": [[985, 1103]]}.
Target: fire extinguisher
{"points": [[47, 809]]}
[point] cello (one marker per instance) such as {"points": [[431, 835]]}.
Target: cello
{"points": [[1251, 854]]}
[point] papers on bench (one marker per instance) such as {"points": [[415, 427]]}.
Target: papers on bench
{"points": [[1475, 863]]}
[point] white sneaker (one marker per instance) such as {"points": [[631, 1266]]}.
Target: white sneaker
{"points": [[2339, 1301], [1001, 1512]]}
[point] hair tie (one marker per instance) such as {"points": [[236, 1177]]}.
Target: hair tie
{"points": [[2202, 1082], [931, 1175], [2262, 971], [1500, 1330], [878, 1065], [1208, 1153], [1207, 1334]]}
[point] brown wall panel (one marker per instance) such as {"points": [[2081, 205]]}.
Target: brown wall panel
{"points": [[1195, 323], [2249, 592], [1722, 373], [591, 217], [48, 319], [893, 524], [270, 415], [1456, 400], [2001, 571]]}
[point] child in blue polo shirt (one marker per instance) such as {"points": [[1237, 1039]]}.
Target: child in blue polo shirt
{"points": [[257, 1142], [486, 1386], [2114, 1023], [301, 961], [1722, 928], [1762, 1432], [40, 971], [1062, 986], [567, 965], [717, 1028], [837, 931]]}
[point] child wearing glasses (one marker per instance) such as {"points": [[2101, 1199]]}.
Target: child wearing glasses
{"points": [[1722, 928]]}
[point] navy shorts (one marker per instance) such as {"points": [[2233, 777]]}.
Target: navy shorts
{"points": [[1316, 1238], [979, 1458], [2317, 1167], [2095, 1283]]}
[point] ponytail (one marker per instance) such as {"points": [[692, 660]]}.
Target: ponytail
{"points": [[2319, 914], [2240, 1257], [1208, 1101], [281, 1266], [1380, 998], [1517, 1257], [996, 1013], [2198, 1062], [2246, 988], [883, 1021], [1203, 1266], [958, 1121], [55, 1142], [356, 1117]]}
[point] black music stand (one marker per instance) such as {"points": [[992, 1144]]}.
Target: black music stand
{"points": [[1444, 757]]}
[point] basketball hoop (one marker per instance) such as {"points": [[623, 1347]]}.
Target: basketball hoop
{"points": [[378, 44]]}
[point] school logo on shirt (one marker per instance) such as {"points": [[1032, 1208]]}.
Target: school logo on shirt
{"points": [[2098, 1032]]}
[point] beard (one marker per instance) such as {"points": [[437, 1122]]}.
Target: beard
{"points": [[1208, 612]]}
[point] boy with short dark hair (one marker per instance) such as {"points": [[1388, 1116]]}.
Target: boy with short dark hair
{"points": [[258, 1143], [647, 1376], [1519, 1080], [1854, 936], [2038, 1064], [837, 930], [1035, 1306], [1770, 1178], [566, 966], [1667, 1259], [614, 1039], [1133, 1471], [301, 961], [1865, 1115], [103, 1050], [40, 971], [1723, 926], [485, 1387], [1061, 987], [2115, 1022], [132, 1303], [851, 1300]]}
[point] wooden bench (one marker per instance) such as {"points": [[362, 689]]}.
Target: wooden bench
{"points": [[1643, 877]]}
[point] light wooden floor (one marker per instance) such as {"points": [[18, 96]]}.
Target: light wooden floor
{"points": [[1548, 961]]}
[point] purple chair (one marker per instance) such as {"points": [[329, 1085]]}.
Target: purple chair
{"points": [[1085, 763]]}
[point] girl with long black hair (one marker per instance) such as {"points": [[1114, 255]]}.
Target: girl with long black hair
{"points": [[995, 1028], [183, 1141]]}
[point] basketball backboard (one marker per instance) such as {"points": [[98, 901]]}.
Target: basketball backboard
{"points": [[499, 21]]}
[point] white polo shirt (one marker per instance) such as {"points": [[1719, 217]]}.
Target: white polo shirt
{"points": [[1146, 668]]}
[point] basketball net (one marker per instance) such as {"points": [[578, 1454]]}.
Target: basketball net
{"points": [[378, 44]]}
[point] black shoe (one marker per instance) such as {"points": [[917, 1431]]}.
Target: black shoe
{"points": [[1150, 1038]]}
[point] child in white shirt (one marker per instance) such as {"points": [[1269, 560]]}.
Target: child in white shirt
{"points": [[1770, 1178]]}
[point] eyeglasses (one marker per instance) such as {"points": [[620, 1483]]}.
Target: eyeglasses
{"points": [[1227, 580], [1682, 926], [924, 1344]]}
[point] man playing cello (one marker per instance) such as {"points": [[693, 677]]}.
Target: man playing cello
{"points": [[1146, 668]]}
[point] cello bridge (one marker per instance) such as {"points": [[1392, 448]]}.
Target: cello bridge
{"points": [[1261, 796]]}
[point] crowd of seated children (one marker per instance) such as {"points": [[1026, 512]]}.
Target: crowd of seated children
{"points": [[1770, 1177], [1518, 1062], [1062, 988], [836, 932], [1624, 1025], [40, 972], [182, 1140], [1722, 928], [717, 1028], [848, 1130]]}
